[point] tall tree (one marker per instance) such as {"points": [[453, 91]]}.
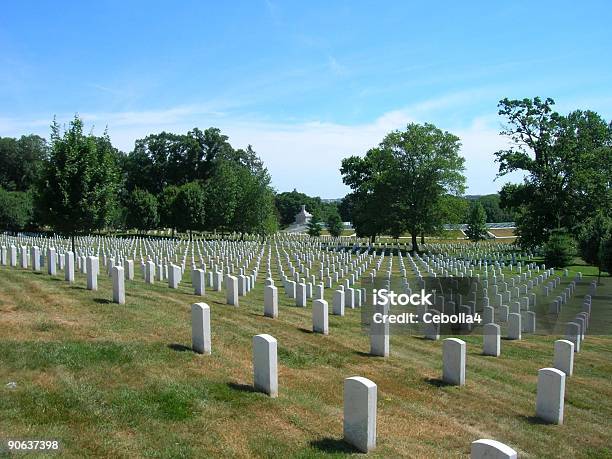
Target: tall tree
{"points": [[79, 181], [568, 165], [168, 215], [477, 223], [334, 224], [255, 212], [16, 210], [594, 240], [189, 207], [21, 162], [400, 184], [314, 227], [221, 195], [142, 210], [164, 159]]}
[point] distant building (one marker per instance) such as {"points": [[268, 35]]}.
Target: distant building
{"points": [[303, 217]]}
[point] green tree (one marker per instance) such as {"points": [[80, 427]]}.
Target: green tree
{"points": [[399, 185], [476, 224], [168, 217], [606, 256], [334, 224], [165, 159], [189, 207], [314, 227], [142, 212], [79, 182], [221, 195], [559, 250], [289, 204], [16, 210], [567, 161], [255, 211], [495, 214], [345, 208], [593, 239], [21, 162]]}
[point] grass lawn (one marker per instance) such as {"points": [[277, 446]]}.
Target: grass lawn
{"points": [[502, 232], [110, 380]]}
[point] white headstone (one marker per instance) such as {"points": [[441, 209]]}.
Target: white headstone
{"points": [[118, 285], [453, 355], [491, 449], [92, 273], [564, 356], [514, 326], [360, 397], [35, 258], [320, 317], [550, 395], [271, 301], [200, 328], [197, 280], [338, 303], [265, 371], [491, 340], [69, 266], [231, 287]]}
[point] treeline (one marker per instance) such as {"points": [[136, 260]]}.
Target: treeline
{"points": [[80, 182], [412, 183]]}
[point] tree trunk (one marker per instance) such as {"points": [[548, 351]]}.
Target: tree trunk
{"points": [[422, 238], [72, 240], [415, 245], [599, 275]]}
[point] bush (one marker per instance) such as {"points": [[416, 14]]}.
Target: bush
{"points": [[334, 224], [560, 250], [16, 210]]}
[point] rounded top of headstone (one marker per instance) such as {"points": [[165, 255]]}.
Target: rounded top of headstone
{"points": [[360, 380], [264, 337], [200, 306], [552, 371], [454, 340], [493, 444]]}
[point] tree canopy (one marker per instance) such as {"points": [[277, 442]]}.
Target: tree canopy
{"points": [[401, 184], [568, 165], [79, 182], [476, 223]]}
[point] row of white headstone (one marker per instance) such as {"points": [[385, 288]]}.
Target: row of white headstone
{"points": [[360, 394]]}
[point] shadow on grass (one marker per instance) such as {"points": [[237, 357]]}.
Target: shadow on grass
{"points": [[241, 387], [179, 347], [305, 330], [102, 301], [364, 354], [333, 445], [436, 382], [534, 420]]}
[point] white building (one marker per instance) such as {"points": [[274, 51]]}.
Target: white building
{"points": [[303, 217]]}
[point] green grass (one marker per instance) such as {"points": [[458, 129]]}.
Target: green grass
{"points": [[111, 380]]}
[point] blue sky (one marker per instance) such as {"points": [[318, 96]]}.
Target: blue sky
{"points": [[306, 83]]}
